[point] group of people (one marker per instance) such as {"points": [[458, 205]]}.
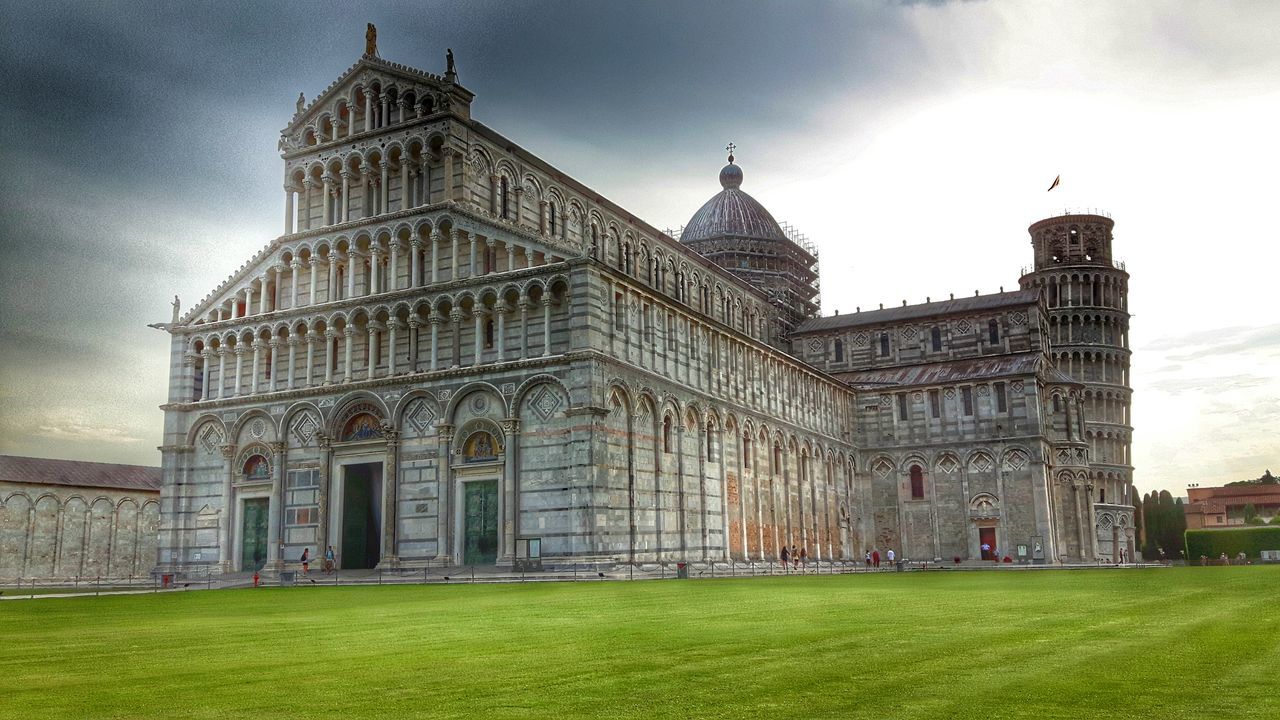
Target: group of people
{"points": [[792, 556], [872, 558], [329, 559]]}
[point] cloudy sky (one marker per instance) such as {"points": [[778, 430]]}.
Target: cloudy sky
{"points": [[912, 142]]}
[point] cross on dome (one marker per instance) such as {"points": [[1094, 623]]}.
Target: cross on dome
{"points": [[731, 147]]}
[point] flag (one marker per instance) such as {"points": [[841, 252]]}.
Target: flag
{"points": [[1056, 180]]}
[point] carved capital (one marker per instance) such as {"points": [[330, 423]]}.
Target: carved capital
{"points": [[277, 447], [510, 426], [445, 431], [228, 451]]}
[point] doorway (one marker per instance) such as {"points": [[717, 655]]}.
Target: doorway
{"points": [[253, 534], [361, 541], [987, 543], [480, 522]]}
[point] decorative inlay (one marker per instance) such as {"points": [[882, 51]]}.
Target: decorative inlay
{"points": [[909, 332], [886, 401], [508, 388], [963, 327], [258, 428], [211, 438], [816, 345], [304, 428], [1017, 317], [984, 390], [860, 339], [948, 464], [981, 462], [545, 402], [1016, 459], [420, 416], [1016, 386], [446, 394], [479, 403], [882, 467], [951, 393], [917, 396]]}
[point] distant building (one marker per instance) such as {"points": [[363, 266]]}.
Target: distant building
{"points": [[64, 518], [1217, 507]]}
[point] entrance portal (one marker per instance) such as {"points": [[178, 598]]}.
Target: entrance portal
{"points": [[361, 516], [480, 524], [987, 541], [253, 534]]}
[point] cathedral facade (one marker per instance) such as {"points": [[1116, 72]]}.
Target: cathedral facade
{"points": [[457, 354]]}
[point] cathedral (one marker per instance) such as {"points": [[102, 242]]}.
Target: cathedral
{"points": [[457, 354]]}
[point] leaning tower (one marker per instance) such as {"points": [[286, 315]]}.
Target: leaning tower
{"points": [[1087, 293]]}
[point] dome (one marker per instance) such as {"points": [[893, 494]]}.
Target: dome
{"points": [[731, 213]]}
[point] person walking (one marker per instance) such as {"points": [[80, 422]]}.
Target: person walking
{"points": [[867, 559], [795, 558], [785, 557], [329, 560], [875, 558], [891, 556], [306, 560], [804, 558]]}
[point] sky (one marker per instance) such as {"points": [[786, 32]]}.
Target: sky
{"points": [[911, 141]]}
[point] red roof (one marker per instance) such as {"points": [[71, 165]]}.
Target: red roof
{"points": [[75, 473]]}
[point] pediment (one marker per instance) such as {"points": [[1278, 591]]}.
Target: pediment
{"points": [[371, 72]]}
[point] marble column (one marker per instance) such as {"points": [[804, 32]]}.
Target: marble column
{"points": [[275, 510], [510, 489], [228, 516], [390, 485]]}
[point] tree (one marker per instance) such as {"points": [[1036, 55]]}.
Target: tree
{"points": [[1251, 515], [1139, 525]]}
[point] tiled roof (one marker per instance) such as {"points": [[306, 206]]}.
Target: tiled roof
{"points": [[43, 471], [945, 372], [923, 310]]}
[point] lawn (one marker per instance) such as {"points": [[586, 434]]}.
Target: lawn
{"points": [[1165, 643]]}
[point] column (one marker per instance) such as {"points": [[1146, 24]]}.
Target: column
{"points": [[224, 527], [330, 354], [311, 278], [542, 217], [444, 483], [374, 347], [434, 319], [435, 264], [455, 318], [386, 168], [491, 250], [288, 210], [310, 339], [393, 266], [375, 262], [207, 354], [472, 270], [326, 462], [346, 195], [478, 350], [331, 292], [293, 342], [405, 199], [273, 363], [257, 357], [222, 372], [415, 263], [493, 196], [393, 325], [501, 311], [353, 260], [453, 270], [294, 266], [248, 297], [510, 491], [546, 324], [448, 176], [368, 111], [390, 481], [524, 327], [240, 350], [275, 510], [414, 324], [304, 210], [348, 333], [326, 214]]}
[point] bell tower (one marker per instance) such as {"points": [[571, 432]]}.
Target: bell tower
{"points": [[1087, 294]]}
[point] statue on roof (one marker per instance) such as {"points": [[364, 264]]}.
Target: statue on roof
{"points": [[177, 305], [371, 41], [448, 60], [302, 100]]}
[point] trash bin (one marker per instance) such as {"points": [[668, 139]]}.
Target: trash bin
{"points": [[166, 580], [682, 571], [899, 564], [286, 577]]}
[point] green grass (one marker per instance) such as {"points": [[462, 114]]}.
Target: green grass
{"points": [[1177, 643]]}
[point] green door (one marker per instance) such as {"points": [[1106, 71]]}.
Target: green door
{"points": [[481, 523], [360, 536], [253, 535]]}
